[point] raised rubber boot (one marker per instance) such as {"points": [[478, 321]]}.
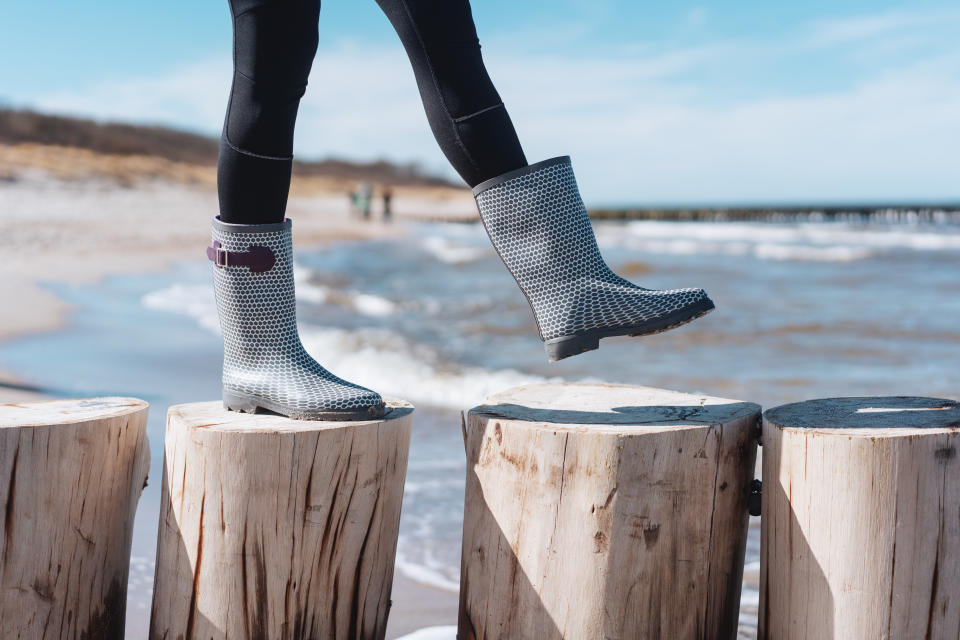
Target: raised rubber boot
{"points": [[264, 363], [539, 226]]}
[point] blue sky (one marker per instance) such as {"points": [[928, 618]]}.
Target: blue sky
{"points": [[656, 103]]}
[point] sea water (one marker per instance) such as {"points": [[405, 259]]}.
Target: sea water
{"points": [[805, 309]]}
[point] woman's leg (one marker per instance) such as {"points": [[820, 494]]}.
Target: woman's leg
{"points": [[264, 364], [274, 42], [533, 213], [465, 112]]}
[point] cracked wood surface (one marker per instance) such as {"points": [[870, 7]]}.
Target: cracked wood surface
{"points": [[861, 520], [71, 473], [278, 529], [605, 511]]}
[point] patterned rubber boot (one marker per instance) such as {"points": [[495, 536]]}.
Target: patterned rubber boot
{"points": [[539, 226], [264, 363]]}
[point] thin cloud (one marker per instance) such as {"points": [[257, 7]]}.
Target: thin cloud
{"points": [[642, 126], [839, 31], [193, 96]]}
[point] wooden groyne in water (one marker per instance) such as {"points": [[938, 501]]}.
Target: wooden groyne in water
{"points": [[861, 520], [71, 473], [591, 511], [893, 214], [605, 511], [275, 528]]}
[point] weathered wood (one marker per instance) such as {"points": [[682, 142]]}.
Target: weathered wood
{"points": [[603, 511], [861, 520], [277, 529], [71, 473]]}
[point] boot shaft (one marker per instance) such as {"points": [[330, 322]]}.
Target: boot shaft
{"points": [[539, 225], [256, 307]]}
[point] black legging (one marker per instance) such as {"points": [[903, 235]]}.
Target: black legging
{"points": [[273, 48]]}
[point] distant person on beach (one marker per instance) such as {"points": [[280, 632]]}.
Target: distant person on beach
{"points": [[533, 214], [362, 199], [387, 194]]}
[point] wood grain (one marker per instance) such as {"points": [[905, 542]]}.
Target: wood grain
{"points": [[861, 520], [605, 512], [278, 529], [71, 473]]}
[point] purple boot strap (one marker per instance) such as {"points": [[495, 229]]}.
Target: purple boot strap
{"points": [[256, 257]]}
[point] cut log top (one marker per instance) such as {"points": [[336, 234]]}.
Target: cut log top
{"points": [[57, 412], [212, 416], [869, 417], [610, 407]]}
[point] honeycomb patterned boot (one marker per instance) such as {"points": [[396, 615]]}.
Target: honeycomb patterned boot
{"points": [[264, 363], [539, 226]]}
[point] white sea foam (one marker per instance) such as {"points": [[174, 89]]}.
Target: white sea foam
{"points": [[363, 303], [378, 358], [371, 305], [833, 253], [830, 242], [195, 301], [426, 572], [305, 290], [414, 487], [448, 632], [891, 236], [450, 252], [749, 597], [391, 364]]}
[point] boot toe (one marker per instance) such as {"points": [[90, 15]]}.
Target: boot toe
{"points": [[695, 297], [362, 402], [366, 399]]}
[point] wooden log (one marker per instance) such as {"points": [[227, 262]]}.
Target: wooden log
{"points": [[604, 511], [861, 520], [71, 473], [275, 528]]}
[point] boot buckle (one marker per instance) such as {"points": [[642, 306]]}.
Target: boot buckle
{"points": [[257, 257]]}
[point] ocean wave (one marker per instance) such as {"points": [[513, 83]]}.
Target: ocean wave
{"points": [[829, 242], [888, 236], [378, 358], [422, 486], [761, 251], [450, 252], [834, 253], [363, 303], [448, 632], [195, 301], [390, 363], [429, 573]]}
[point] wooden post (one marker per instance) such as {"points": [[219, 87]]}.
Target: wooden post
{"points": [[71, 473], [861, 520], [278, 528], [603, 511]]}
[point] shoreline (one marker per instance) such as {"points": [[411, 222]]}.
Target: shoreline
{"points": [[68, 232], [78, 231], [60, 226], [416, 605], [63, 231]]}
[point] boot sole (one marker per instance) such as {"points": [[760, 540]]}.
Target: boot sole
{"points": [[233, 401], [560, 348]]}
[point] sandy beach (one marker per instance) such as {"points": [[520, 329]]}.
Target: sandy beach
{"points": [[73, 216], [68, 216]]}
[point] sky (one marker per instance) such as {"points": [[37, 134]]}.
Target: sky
{"points": [[657, 103]]}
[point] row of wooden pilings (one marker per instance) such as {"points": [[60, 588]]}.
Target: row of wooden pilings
{"points": [[591, 512]]}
